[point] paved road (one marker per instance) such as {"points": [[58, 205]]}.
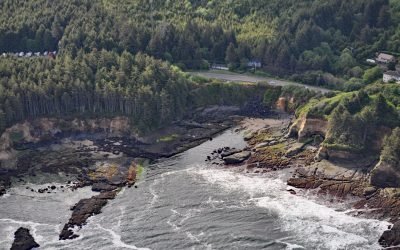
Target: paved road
{"points": [[234, 77]]}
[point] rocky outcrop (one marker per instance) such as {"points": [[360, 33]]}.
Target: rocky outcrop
{"points": [[82, 211], [237, 158], [23, 240], [304, 127], [327, 153], [106, 179], [329, 178], [391, 237], [47, 128], [385, 175], [295, 149]]}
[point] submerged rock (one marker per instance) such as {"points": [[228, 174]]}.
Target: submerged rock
{"points": [[237, 158], [23, 240]]}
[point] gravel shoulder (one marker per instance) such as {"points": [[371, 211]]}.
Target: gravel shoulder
{"points": [[235, 77]]}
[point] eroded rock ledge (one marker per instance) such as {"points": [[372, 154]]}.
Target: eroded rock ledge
{"points": [[106, 179]]}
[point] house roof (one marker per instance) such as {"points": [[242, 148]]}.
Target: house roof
{"points": [[386, 57], [393, 73]]}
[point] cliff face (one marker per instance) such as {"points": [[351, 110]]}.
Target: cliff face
{"points": [[304, 127], [45, 128]]}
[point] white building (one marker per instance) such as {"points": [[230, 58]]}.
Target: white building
{"points": [[391, 76], [220, 67]]}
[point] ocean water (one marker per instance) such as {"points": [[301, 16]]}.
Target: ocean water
{"points": [[184, 203]]}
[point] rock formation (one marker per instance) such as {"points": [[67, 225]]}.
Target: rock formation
{"points": [[23, 240]]}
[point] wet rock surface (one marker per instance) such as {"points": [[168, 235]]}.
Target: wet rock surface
{"points": [[23, 240], [237, 157], [391, 237], [372, 194], [107, 179], [82, 211]]}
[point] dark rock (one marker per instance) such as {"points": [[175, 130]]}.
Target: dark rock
{"points": [[83, 210], [295, 149], [102, 187], [53, 187], [230, 152], [385, 175], [291, 191], [23, 240], [391, 237], [237, 158], [248, 137], [369, 190]]}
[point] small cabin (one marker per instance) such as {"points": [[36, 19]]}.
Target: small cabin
{"points": [[385, 58]]}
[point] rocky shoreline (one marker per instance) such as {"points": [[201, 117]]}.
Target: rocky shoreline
{"points": [[271, 148], [105, 161]]}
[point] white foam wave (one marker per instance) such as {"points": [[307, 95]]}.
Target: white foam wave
{"points": [[116, 240], [317, 225]]}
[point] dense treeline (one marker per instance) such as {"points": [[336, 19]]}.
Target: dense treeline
{"points": [[286, 36], [358, 120], [102, 83], [102, 67]]}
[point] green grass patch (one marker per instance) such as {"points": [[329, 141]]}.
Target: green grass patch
{"points": [[139, 170], [168, 138], [278, 147], [343, 147]]}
